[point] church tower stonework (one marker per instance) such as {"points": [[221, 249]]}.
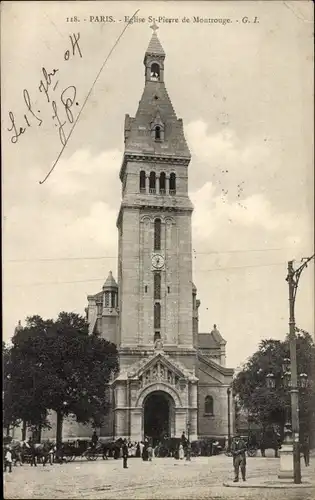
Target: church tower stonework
{"points": [[172, 379]]}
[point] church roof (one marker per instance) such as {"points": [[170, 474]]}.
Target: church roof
{"points": [[155, 47], [211, 340], [110, 282]]}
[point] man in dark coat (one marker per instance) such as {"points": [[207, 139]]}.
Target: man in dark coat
{"points": [[238, 449], [125, 454], [94, 439], [306, 450]]}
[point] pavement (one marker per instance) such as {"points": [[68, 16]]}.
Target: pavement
{"points": [[163, 478]]}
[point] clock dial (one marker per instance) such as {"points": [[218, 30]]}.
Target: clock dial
{"points": [[157, 261]]}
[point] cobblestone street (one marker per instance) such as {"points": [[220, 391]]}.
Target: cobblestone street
{"points": [[162, 478]]}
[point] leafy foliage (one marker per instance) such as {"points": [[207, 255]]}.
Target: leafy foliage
{"points": [[56, 365], [267, 406]]}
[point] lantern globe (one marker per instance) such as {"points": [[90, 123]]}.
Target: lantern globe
{"points": [[303, 380], [270, 380], [286, 365], [287, 379]]}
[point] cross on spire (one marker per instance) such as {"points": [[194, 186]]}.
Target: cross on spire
{"points": [[154, 27]]}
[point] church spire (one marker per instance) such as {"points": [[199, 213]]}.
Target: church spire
{"points": [[155, 48], [155, 130], [154, 59]]}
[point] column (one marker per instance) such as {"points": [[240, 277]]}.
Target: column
{"points": [[157, 184], [147, 177], [193, 395], [136, 424], [193, 425], [167, 185], [180, 421]]}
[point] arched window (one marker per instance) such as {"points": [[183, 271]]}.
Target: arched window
{"points": [[172, 183], [157, 315], [142, 181], [152, 182], [113, 299], [157, 336], [157, 234], [155, 72], [157, 286], [157, 133], [209, 405], [162, 183], [107, 295]]}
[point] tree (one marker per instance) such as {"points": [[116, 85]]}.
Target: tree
{"points": [[24, 373], [267, 406], [70, 368]]}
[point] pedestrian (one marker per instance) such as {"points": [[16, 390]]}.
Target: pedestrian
{"points": [[51, 453], [181, 452], [125, 454], [8, 459], [94, 439], [306, 450], [238, 449], [150, 452]]}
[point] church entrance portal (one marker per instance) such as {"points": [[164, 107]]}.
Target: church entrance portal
{"points": [[158, 415]]}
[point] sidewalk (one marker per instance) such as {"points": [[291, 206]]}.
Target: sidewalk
{"points": [[273, 482]]}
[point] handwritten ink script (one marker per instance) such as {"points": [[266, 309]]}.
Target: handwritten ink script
{"points": [[62, 103]]}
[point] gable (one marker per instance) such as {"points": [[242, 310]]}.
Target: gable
{"points": [[158, 367], [210, 372], [207, 375]]}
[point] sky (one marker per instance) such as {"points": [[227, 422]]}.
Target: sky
{"points": [[245, 93]]}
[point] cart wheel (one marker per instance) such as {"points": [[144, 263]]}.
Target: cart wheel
{"points": [[93, 457]]}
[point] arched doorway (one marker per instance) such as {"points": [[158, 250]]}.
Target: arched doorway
{"points": [[158, 409]]}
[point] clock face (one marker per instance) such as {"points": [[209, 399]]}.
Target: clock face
{"points": [[157, 261]]}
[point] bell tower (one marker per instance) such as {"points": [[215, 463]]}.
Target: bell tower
{"points": [[154, 221]]}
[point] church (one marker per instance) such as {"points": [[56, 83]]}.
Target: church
{"points": [[172, 378]]}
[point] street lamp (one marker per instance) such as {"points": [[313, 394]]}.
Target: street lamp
{"points": [[293, 278], [286, 450], [229, 417]]}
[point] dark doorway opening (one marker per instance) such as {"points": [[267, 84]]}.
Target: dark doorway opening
{"points": [[157, 416]]}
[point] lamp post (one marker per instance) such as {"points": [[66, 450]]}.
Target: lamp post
{"points": [[229, 416], [188, 430], [293, 281], [287, 449]]}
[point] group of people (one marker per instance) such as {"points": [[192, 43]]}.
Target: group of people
{"points": [[145, 450]]}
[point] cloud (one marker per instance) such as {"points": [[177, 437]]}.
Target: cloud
{"points": [[224, 149]]}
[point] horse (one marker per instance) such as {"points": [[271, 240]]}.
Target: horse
{"points": [[39, 453], [16, 453]]}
